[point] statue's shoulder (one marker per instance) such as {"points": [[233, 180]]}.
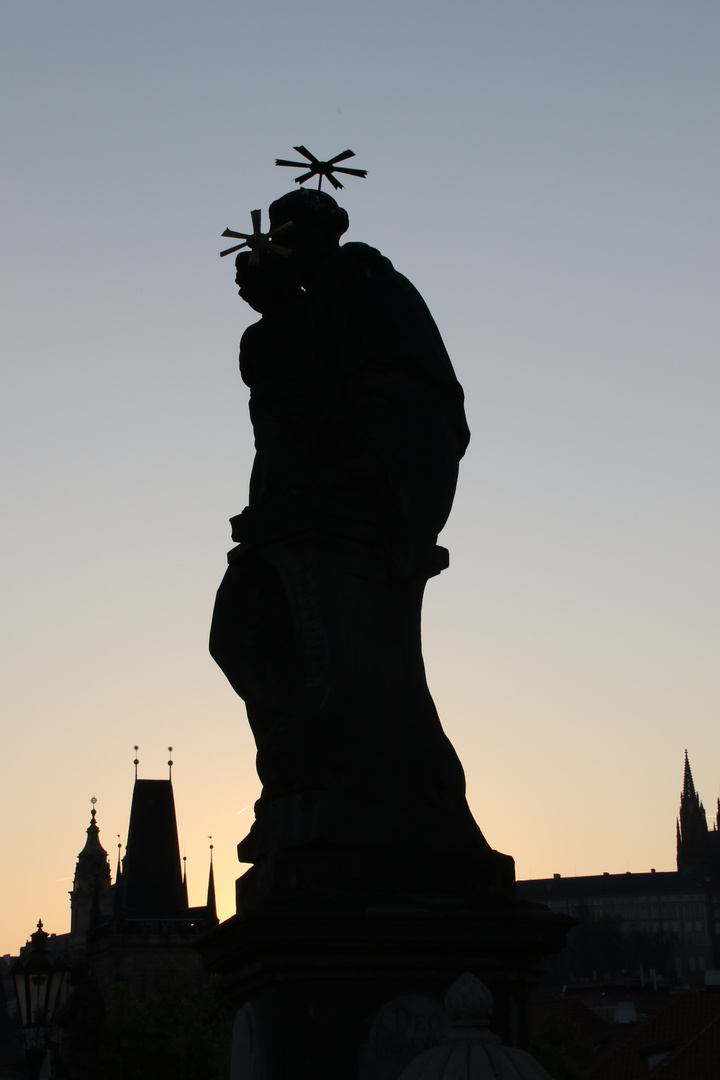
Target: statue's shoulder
{"points": [[355, 252], [353, 261]]}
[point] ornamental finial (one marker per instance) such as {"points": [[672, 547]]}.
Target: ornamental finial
{"points": [[321, 168]]}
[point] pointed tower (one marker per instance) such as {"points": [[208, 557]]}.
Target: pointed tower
{"points": [[152, 878], [91, 896], [211, 917], [117, 909], [692, 830], [688, 791]]}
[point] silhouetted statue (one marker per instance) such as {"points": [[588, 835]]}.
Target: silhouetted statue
{"points": [[359, 429]]}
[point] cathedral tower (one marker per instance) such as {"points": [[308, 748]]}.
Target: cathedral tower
{"points": [[698, 848]]}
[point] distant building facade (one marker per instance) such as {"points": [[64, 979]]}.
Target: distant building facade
{"points": [[680, 907]]}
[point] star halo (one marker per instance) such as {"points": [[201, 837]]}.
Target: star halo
{"points": [[257, 240], [321, 168]]}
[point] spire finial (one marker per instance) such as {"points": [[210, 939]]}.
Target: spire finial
{"points": [[170, 763], [93, 800], [211, 848], [136, 762]]}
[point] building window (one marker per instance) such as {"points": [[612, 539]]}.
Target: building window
{"points": [[691, 963]]}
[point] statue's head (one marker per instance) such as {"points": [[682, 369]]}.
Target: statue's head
{"points": [[270, 284], [318, 224]]}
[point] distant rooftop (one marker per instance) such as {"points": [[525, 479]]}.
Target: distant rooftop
{"points": [[557, 887]]}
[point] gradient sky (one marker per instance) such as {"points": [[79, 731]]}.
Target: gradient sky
{"points": [[547, 174]]}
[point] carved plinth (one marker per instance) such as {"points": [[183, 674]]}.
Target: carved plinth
{"points": [[355, 997]]}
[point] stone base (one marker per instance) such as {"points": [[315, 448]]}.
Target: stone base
{"points": [[356, 996], [342, 881]]}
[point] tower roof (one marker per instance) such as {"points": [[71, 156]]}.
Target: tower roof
{"points": [[92, 861], [152, 878]]}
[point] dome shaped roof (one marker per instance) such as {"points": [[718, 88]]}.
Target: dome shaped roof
{"points": [[472, 1052]]}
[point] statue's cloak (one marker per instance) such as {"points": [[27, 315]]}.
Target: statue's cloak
{"points": [[356, 408]]}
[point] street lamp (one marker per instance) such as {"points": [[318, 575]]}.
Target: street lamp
{"points": [[38, 978]]}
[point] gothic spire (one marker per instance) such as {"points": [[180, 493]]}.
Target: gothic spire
{"points": [[692, 837], [688, 785]]}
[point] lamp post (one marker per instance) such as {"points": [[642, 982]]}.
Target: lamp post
{"points": [[38, 978]]}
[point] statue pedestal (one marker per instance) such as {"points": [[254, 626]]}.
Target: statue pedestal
{"points": [[357, 995]]}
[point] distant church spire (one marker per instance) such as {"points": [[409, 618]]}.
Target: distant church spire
{"points": [[696, 854], [91, 884], [211, 908], [688, 785], [93, 855]]}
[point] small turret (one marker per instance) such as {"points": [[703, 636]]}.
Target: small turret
{"points": [[185, 889], [211, 906]]}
